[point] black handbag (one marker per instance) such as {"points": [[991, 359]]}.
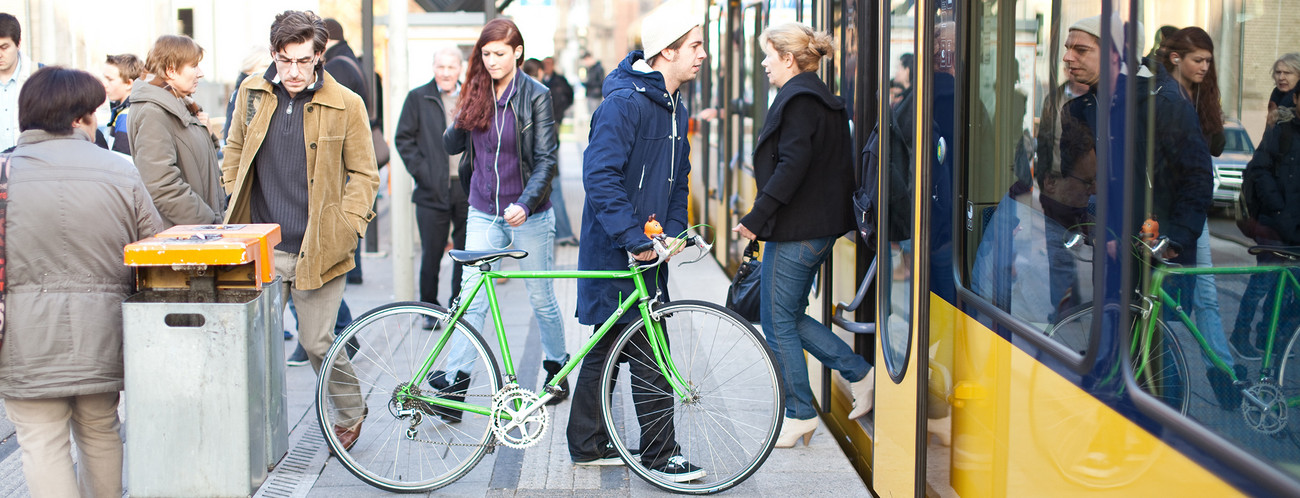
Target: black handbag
{"points": [[743, 295]]}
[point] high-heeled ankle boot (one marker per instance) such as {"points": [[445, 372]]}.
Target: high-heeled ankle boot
{"points": [[863, 395], [792, 429]]}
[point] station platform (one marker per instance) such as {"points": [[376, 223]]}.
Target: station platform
{"points": [[820, 469]]}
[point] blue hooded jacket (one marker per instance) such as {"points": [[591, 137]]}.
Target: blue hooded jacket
{"points": [[636, 164]]}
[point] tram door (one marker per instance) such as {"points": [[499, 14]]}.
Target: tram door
{"points": [[899, 452]]}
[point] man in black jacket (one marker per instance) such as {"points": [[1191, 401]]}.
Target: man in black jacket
{"points": [[440, 201]]}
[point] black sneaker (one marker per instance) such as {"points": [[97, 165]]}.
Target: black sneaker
{"points": [[1241, 346], [608, 456], [1225, 392], [437, 379], [298, 358], [552, 368], [677, 469]]}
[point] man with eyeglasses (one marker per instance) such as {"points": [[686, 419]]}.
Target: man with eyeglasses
{"points": [[300, 154]]}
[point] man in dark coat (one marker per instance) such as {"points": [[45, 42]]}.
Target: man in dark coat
{"points": [[628, 178], [440, 201]]}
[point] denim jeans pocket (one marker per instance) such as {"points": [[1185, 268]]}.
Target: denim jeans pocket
{"points": [[814, 252]]}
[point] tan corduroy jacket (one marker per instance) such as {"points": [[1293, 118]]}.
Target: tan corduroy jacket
{"points": [[341, 175]]}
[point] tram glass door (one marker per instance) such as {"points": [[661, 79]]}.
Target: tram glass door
{"points": [[899, 453]]}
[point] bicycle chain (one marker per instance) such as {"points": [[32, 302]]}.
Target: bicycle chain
{"points": [[416, 391]]}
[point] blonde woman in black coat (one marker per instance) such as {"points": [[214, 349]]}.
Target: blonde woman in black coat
{"points": [[803, 166]]}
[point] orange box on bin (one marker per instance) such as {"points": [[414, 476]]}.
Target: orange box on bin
{"points": [[210, 245]]}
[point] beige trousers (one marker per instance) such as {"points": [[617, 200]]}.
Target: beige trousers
{"points": [[317, 311], [43, 427]]}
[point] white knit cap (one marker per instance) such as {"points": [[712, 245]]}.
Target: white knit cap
{"points": [[1092, 26], [665, 24]]}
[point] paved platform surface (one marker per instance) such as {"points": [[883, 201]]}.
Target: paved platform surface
{"points": [[542, 470]]}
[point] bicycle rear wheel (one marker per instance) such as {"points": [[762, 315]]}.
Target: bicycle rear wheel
{"points": [[1161, 372], [723, 431], [389, 345]]}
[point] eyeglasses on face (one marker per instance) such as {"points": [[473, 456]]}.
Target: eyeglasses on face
{"points": [[304, 64]]}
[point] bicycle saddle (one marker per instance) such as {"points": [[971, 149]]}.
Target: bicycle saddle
{"points": [[475, 258], [1289, 252]]}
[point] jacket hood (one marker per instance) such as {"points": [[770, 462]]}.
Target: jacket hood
{"points": [[144, 91], [805, 83], [627, 77]]}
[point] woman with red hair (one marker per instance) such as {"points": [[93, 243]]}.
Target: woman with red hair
{"points": [[506, 131]]}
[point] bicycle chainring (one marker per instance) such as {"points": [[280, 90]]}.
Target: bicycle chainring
{"points": [[1264, 408], [514, 431]]}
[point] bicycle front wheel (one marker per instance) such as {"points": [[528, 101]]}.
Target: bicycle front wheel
{"points": [[722, 430], [405, 445]]}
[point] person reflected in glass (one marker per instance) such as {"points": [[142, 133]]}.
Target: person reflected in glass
{"points": [[1273, 172], [1281, 107], [1188, 57], [1282, 101], [803, 166]]}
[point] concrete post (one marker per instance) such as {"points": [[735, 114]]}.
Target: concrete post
{"points": [[401, 210]]}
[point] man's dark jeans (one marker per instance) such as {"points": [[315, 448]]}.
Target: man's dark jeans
{"points": [[651, 393]]}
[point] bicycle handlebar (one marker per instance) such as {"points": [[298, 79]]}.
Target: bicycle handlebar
{"points": [[660, 247]]}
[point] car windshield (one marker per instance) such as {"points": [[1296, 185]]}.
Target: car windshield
{"points": [[1238, 141]]}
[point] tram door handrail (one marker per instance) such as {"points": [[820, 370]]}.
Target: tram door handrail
{"points": [[841, 308]]}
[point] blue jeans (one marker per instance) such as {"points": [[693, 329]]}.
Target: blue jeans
{"points": [[1206, 304], [787, 274], [563, 229], [486, 232]]}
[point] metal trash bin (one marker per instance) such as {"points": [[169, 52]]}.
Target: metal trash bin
{"points": [[204, 383]]}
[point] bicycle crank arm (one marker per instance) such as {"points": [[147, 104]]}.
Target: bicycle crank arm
{"points": [[1245, 393]]}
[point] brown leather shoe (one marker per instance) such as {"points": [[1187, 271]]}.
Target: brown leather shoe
{"points": [[348, 436]]}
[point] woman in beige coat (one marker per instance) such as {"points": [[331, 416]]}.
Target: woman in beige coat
{"points": [[170, 141], [72, 207]]}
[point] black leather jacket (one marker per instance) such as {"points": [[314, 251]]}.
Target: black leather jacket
{"points": [[536, 139]]}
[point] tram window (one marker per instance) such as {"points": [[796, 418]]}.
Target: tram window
{"points": [[896, 335], [1211, 83], [1023, 199]]}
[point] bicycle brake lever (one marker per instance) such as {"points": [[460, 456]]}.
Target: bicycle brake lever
{"points": [[699, 244]]}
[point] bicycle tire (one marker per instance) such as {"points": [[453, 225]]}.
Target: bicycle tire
{"points": [[391, 347], [1169, 382], [731, 424], [1288, 375]]}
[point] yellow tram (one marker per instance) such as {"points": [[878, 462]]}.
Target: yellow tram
{"points": [[996, 373]]}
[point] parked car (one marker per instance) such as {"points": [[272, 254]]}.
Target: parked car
{"points": [[1229, 165]]}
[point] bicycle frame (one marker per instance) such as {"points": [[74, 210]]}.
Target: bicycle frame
{"points": [[1141, 342], [639, 298]]}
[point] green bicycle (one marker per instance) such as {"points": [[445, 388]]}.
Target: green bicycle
{"points": [[1156, 354], [420, 434]]}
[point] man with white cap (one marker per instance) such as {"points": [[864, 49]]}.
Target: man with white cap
{"points": [[1181, 174], [628, 178]]}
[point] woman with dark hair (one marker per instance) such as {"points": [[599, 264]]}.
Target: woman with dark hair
{"points": [[506, 131], [169, 136], [803, 165], [1188, 56], [72, 207]]}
